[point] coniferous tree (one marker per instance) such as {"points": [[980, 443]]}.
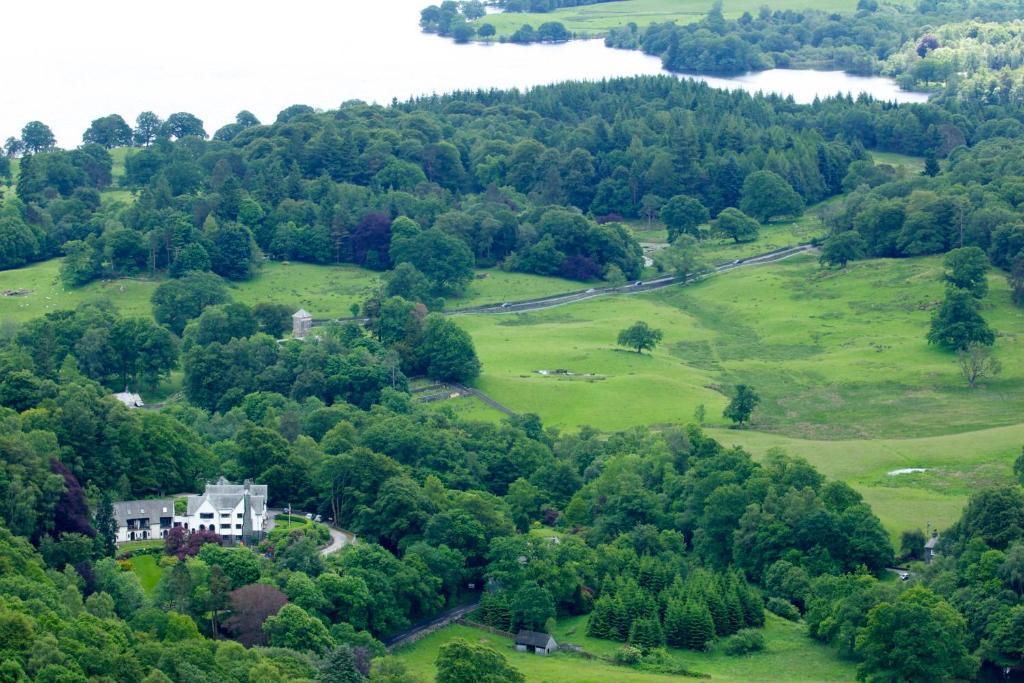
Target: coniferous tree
{"points": [[699, 627], [676, 623], [106, 528], [646, 633]]}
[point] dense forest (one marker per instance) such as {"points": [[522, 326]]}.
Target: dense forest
{"points": [[536, 182]]}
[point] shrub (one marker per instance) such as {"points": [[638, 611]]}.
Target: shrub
{"points": [[783, 608], [627, 655], [743, 642]]}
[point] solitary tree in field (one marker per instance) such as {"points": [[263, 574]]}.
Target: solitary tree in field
{"points": [[640, 336], [976, 361], [742, 404], [958, 324]]}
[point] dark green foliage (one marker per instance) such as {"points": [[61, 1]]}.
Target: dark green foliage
{"points": [[646, 633], [736, 225], [742, 405], [683, 215], [743, 642], [639, 336], [766, 195], [459, 661], [446, 351], [917, 637], [783, 608], [958, 323], [178, 301], [838, 250], [967, 269]]}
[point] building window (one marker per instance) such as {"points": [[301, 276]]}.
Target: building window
{"points": [[225, 526], [238, 526], [205, 515], [239, 515]]}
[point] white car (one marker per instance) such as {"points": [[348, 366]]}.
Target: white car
{"points": [[309, 515]]}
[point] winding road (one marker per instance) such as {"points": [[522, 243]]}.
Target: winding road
{"points": [[339, 537]]}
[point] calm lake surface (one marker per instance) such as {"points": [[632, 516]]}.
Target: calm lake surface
{"points": [[85, 60]]}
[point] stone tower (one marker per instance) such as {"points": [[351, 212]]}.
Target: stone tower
{"points": [[302, 322]]}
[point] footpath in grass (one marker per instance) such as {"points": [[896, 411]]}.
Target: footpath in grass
{"points": [[789, 656]]}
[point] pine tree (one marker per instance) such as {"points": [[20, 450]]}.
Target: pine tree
{"points": [[753, 605], [106, 528], [676, 623], [599, 624], [711, 597], [699, 626], [619, 621], [734, 611], [646, 633]]}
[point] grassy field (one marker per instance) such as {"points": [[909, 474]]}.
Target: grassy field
{"points": [[839, 358], [834, 354], [148, 571], [789, 656], [593, 20]]}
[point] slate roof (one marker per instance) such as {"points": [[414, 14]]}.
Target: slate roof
{"points": [[533, 639], [932, 542], [226, 496], [138, 509], [301, 313]]}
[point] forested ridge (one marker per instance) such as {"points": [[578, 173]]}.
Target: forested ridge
{"points": [[533, 181]]}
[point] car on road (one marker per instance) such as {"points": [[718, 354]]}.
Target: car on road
{"points": [[637, 283], [505, 305], [590, 291]]}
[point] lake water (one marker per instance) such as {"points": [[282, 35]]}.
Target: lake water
{"points": [[68, 63]]}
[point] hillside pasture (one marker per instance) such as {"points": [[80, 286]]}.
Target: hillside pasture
{"points": [[789, 656]]}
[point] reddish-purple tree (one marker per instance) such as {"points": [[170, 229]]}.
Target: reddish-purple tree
{"points": [[72, 513], [250, 606], [183, 544], [371, 240]]}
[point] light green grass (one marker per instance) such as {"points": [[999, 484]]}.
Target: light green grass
{"points": [[324, 291], [901, 161], [838, 357], [467, 408], [959, 463], [770, 237], [47, 293], [789, 656], [834, 354], [495, 286], [148, 571], [596, 19]]}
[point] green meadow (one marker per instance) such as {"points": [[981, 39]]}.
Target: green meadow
{"points": [[789, 655], [838, 357], [594, 20]]}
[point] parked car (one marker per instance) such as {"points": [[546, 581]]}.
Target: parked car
{"points": [[318, 518], [309, 516]]}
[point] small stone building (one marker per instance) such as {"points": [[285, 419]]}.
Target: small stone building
{"points": [[302, 323], [129, 399], [537, 643], [930, 547]]}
